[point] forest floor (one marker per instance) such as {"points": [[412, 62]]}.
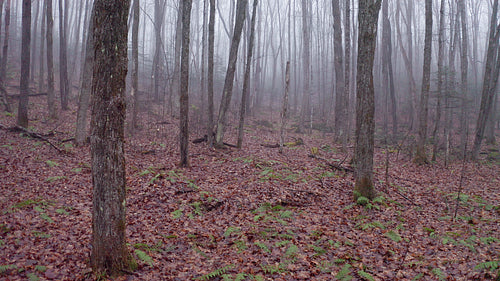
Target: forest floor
{"points": [[249, 214]]}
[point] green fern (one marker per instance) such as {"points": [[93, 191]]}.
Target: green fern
{"points": [[230, 230], [216, 273], [394, 236], [4, 268], [489, 265], [439, 273], [365, 275], [262, 246], [144, 257], [32, 277], [344, 273]]}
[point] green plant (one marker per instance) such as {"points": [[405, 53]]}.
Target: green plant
{"points": [[144, 257], [55, 178], [394, 236], [438, 273], [32, 277], [52, 163], [46, 217], [291, 252], [40, 268], [231, 230], [62, 211], [365, 275], [216, 273], [41, 234], [7, 267], [344, 273], [488, 266], [262, 246], [272, 269], [176, 214]]}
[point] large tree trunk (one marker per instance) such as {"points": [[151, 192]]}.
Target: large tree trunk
{"points": [[210, 73], [365, 99], [109, 250], [50, 63], [86, 82], [231, 68], [246, 80], [22, 112], [184, 86], [341, 100], [490, 81], [135, 63], [63, 53], [421, 155]]}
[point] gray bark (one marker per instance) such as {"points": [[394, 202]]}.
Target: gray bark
{"points": [[22, 112], [184, 84]]}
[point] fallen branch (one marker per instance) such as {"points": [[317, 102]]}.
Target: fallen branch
{"points": [[30, 134], [297, 142], [331, 165]]}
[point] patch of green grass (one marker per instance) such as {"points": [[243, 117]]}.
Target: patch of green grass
{"points": [[55, 178]]}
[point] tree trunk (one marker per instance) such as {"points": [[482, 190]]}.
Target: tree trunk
{"points": [[6, 38], [210, 74], [246, 80], [439, 80], [86, 82], [421, 155], [464, 64], [184, 85], [347, 67], [231, 68], [22, 112], [34, 37], [284, 109], [365, 99], [489, 83], [158, 58], [109, 250], [135, 63], [306, 66], [341, 101], [63, 71], [50, 63], [41, 72], [177, 56]]}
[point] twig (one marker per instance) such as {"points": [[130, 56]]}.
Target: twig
{"points": [[31, 134]]}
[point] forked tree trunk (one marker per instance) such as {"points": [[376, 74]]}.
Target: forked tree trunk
{"points": [[109, 250], [184, 85], [246, 80], [421, 155], [231, 68], [365, 99], [22, 112]]}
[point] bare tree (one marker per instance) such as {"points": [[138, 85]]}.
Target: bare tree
{"points": [[135, 62], [306, 65], [50, 62], [6, 38], [246, 80], [387, 70], [210, 74], [22, 112], [464, 65], [86, 82], [440, 85], [63, 53], [109, 250], [231, 68], [490, 81], [365, 99], [420, 156], [184, 85], [341, 100]]}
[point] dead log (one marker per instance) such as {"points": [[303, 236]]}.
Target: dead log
{"points": [[331, 165], [30, 134]]}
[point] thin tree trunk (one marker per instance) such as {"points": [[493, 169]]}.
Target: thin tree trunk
{"points": [[439, 80], [421, 155], [284, 109], [246, 81], [177, 55], [41, 74], [489, 83], [109, 249], [341, 101], [34, 37], [347, 67], [210, 74], [63, 82], [135, 63], [6, 38], [464, 64], [22, 112], [231, 68], [50, 63], [305, 110], [86, 82], [184, 84], [365, 100]]}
